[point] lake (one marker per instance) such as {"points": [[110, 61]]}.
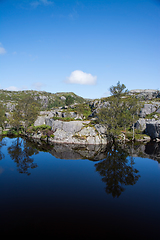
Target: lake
{"points": [[79, 192]]}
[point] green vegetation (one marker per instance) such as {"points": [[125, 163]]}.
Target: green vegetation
{"points": [[65, 119], [153, 115], [69, 100], [83, 109], [25, 113], [118, 116], [45, 99], [43, 137], [41, 127], [2, 115], [120, 112]]}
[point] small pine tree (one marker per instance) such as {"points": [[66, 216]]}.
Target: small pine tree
{"points": [[69, 100]]}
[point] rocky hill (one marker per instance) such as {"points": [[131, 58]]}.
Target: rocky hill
{"points": [[47, 100], [54, 112]]}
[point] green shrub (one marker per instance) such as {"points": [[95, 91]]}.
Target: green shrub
{"points": [[43, 136], [5, 132], [41, 127]]}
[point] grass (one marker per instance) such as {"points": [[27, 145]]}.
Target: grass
{"points": [[66, 119], [152, 115], [80, 137], [138, 135]]}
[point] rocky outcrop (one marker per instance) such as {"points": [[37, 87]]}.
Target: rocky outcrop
{"points": [[76, 132], [149, 108], [150, 126], [153, 129], [141, 124], [145, 94]]}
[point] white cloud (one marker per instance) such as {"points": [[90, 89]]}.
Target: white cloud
{"points": [[41, 2], [37, 85], [106, 94], [14, 53], [80, 77], [46, 2], [2, 50], [12, 88]]}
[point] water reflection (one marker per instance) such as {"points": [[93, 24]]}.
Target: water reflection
{"points": [[117, 170], [152, 149], [21, 153], [2, 143], [115, 164]]}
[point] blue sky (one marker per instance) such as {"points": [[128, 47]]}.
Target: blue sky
{"points": [[80, 46]]}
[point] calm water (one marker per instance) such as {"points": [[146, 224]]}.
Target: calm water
{"points": [[79, 192]]}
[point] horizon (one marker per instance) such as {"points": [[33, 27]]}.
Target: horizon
{"points": [[79, 46]]}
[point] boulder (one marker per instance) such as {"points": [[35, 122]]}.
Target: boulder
{"points": [[153, 129], [140, 124], [101, 129], [158, 110], [63, 98], [147, 109], [40, 121]]}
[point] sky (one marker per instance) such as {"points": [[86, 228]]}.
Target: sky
{"points": [[80, 46]]}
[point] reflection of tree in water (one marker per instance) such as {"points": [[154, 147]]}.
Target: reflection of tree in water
{"points": [[117, 170], [21, 153], [2, 143]]}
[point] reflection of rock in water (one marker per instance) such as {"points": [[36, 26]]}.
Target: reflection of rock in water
{"points": [[153, 150], [63, 151], [96, 152], [150, 150], [72, 151]]}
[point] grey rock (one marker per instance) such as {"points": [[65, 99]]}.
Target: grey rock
{"points": [[147, 109], [87, 131], [158, 110], [140, 124], [10, 106], [63, 98], [40, 121], [58, 113], [71, 127], [145, 94], [101, 129], [49, 122], [153, 129], [7, 114], [7, 125]]}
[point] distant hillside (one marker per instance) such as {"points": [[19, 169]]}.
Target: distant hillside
{"points": [[46, 99]]}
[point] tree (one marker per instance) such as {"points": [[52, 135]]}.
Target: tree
{"points": [[117, 170], [118, 90], [21, 153], [83, 108], [119, 112], [69, 100], [112, 115], [25, 113], [134, 108], [2, 115], [16, 118]]}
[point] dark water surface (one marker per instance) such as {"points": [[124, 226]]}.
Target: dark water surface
{"points": [[79, 192]]}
